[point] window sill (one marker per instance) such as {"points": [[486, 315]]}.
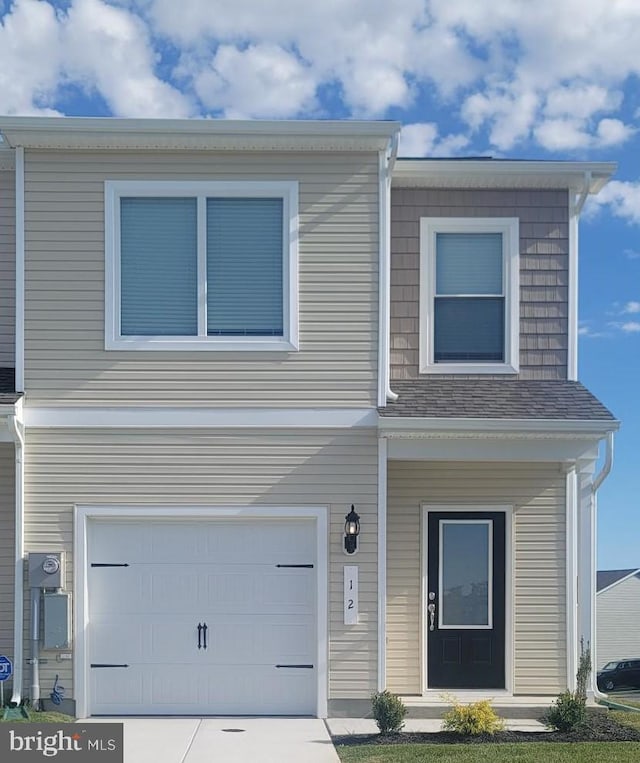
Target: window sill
{"points": [[201, 344], [469, 368]]}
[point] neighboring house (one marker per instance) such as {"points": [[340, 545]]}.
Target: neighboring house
{"points": [[618, 615], [226, 335]]}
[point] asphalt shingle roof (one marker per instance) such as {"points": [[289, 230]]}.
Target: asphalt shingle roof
{"points": [[605, 578], [443, 397]]}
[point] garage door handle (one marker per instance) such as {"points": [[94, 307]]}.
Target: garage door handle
{"points": [[199, 635], [204, 635], [309, 667]]}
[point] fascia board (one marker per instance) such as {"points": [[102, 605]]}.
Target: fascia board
{"points": [[80, 132], [487, 173], [505, 427], [617, 582]]}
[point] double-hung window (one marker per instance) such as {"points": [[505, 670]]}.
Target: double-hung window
{"points": [[201, 265], [469, 306]]}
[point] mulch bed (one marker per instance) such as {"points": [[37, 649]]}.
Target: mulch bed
{"points": [[600, 727]]}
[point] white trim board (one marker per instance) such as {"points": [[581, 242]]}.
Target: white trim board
{"points": [[199, 418], [509, 603], [83, 514]]}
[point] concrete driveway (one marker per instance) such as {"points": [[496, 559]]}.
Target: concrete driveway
{"points": [[237, 740]]}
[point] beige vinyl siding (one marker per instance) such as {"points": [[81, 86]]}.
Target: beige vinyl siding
{"points": [[7, 548], [66, 363], [537, 494], [7, 268], [544, 278], [618, 621], [182, 467]]}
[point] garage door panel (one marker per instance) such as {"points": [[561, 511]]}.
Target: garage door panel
{"points": [[220, 573]]}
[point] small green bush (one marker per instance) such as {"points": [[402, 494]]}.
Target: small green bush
{"points": [[389, 712], [472, 719], [567, 712]]}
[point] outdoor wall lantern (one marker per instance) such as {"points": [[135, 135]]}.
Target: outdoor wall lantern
{"points": [[351, 531]]}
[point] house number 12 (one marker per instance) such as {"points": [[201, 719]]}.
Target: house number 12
{"points": [[350, 595]]}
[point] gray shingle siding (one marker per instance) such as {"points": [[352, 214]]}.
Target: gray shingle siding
{"points": [[544, 278]]}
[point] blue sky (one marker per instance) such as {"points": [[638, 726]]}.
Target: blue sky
{"points": [[551, 79]]}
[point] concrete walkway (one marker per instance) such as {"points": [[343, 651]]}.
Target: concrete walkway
{"points": [[225, 740]]}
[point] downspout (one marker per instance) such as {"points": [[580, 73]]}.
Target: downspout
{"points": [[595, 485], [16, 430], [386, 160]]}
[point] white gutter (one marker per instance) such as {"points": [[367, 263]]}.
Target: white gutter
{"points": [[386, 160], [15, 427], [19, 336]]}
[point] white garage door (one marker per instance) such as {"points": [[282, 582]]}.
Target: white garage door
{"points": [[202, 617]]}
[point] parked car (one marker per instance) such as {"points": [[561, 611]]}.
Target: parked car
{"points": [[619, 673]]}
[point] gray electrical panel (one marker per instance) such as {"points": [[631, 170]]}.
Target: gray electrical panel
{"points": [[46, 570], [57, 621]]}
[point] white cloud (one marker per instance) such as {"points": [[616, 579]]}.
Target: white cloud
{"points": [[93, 45], [109, 48], [631, 307], [611, 132], [30, 58], [259, 81], [586, 331], [581, 101], [622, 198], [422, 139], [562, 134], [632, 254], [631, 327]]}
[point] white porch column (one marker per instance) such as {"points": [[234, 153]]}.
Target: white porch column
{"points": [[382, 563], [586, 587]]}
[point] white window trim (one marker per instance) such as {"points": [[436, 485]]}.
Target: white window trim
{"points": [[287, 190], [509, 228]]}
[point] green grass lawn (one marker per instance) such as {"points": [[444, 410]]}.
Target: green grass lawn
{"points": [[527, 752], [42, 717], [626, 718]]}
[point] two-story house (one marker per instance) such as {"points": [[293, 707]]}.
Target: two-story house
{"points": [[227, 334]]}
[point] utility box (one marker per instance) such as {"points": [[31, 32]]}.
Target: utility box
{"points": [[57, 621], [46, 570]]}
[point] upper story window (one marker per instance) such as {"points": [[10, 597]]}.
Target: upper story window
{"points": [[201, 265], [469, 307]]}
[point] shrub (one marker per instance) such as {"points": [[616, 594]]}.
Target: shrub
{"points": [[567, 712], [474, 718], [389, 712]]}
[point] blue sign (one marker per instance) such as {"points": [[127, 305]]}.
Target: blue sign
{"points": [[6, 668]]}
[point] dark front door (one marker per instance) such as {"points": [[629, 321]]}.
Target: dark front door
{"points": [[466, 600]]}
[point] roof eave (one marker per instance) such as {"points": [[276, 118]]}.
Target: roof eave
{"points": [[205, 134], [488, 173], [499, 427]]}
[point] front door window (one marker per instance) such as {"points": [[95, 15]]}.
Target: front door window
{"points": [[465, 573]]}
